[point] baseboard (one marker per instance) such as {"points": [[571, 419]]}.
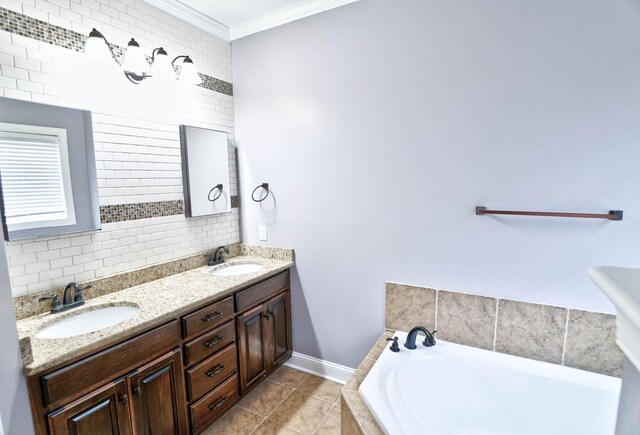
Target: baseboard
{"points": [[325, 369]]}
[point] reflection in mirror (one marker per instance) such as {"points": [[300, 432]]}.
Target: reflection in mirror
{"points": [[205, 171], [47, 170]]}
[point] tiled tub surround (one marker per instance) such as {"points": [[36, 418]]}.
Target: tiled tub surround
{"points": [[137, 145], [575, 338], [158, 300]]}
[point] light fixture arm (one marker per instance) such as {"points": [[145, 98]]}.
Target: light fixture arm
{"points": [[180, 57], [159, 51]]}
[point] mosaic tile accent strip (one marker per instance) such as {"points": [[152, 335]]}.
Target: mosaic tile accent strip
{"points": [[14, 22], [146, 210], [23, 25]]}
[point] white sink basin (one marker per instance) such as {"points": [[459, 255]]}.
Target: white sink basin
{"points": [[237, 269], [87, 321]]}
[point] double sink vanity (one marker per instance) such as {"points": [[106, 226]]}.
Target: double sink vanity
{"points": [[169, 356]]}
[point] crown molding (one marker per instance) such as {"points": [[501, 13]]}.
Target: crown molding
{"points": [[284, 16], [191, 16]]}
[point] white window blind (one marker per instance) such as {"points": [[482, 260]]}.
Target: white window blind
{"points": [[36, 184]]}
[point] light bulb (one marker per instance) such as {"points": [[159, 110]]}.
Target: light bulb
{"points": [[161, 67], [95, 47], [188, 73], [134, 60]]}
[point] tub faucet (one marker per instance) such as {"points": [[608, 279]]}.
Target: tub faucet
{"points": [[216, 257], [411, 337]]}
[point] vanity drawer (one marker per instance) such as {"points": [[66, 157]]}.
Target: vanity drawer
{"points": [[108, 364], [214, 404], [209, 343], [208, 317], [211, 372], [262, 291]]}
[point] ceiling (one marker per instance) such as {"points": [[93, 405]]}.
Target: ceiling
{"points": [[233, 19]]}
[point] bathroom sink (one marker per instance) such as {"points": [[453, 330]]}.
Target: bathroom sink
{"points": [[87, 321], [237, 269]]}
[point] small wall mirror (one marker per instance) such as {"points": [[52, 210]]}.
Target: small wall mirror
{"points": [[47, 170], [205, 171]]}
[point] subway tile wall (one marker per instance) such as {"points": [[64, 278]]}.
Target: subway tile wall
{"points": [[136, 138]]}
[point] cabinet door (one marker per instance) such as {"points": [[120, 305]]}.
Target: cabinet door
{"points": [[279, 329], [158, 402], [103, 412], [252, 348]]}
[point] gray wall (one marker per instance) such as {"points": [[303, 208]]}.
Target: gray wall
{"points": [[380, 126], [14, 401]]}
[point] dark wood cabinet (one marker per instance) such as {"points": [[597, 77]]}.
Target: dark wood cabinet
{"points": [[175, 378], [103, 412], [279, 330], [264, 339], [148, 401], [252, 347], [157, 397]]}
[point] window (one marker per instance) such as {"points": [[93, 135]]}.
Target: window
{"points": [[36, 181], [47, 170]]}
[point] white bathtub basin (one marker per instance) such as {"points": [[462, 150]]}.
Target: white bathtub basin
{"points": [[452, 389], [237, 269], [87, 321]]}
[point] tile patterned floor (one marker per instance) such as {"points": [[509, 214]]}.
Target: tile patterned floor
{"points": [[288, 402]]}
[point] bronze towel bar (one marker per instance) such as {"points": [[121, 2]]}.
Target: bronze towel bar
{"points": [[613, 215]]}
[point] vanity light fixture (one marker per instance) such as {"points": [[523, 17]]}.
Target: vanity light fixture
{"points": [[135, 65]]}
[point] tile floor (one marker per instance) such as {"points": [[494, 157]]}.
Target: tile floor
{"points": [[288, 402]]}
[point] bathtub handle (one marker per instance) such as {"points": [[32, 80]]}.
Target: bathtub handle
{"points": [[394, 346]]}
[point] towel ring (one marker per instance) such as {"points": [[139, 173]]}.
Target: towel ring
{"points": [[219, 186], [264, 186]]}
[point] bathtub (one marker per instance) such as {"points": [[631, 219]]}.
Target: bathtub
{"points": [[453, 389]]}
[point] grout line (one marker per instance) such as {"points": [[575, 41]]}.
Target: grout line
{"points": [[564, 342], [325, 417], [435, 317], [495, 325]]}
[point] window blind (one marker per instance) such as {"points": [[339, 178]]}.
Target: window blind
{"points": [[32, 177]]}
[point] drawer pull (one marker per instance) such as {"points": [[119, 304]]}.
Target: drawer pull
{"points": [[218, 404], [211, 316], [213, 342], [215, 371]]}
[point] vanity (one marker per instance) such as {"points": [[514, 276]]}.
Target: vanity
{"points": [[198, 343]]}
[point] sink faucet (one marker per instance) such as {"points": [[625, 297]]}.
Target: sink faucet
{"points": [[217, 257], [67, 303], [411, 337]]}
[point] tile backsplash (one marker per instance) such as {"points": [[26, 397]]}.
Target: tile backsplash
{"points": [[136, 138], [575, 338]]}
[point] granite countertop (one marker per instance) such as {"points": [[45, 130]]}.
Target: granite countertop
{"points": [[158, 300]]}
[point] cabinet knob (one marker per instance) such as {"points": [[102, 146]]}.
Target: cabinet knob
{"points": [[137, 391], [124, 399]]}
